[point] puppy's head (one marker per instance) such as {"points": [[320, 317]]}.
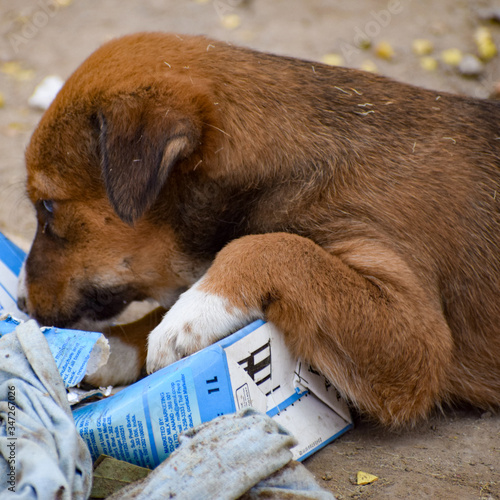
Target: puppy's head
{"points": [[100, 167]]}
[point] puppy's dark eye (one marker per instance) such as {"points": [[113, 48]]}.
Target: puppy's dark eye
{"points": [[48, 205]]}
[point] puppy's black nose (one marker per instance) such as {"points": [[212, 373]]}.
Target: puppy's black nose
{"points": [[21, 304]]}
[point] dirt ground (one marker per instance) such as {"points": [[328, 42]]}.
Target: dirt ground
{"points": [[455, 455]]}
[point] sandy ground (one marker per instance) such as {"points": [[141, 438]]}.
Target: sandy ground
{"points": [[455, 455]]}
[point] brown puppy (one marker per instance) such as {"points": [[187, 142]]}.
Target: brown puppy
{"points": [[359, 215]]}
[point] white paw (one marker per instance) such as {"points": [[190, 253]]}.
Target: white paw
{"points": [[195, 321]]}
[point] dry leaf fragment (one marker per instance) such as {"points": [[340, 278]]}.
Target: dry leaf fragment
{"points": [[422, 47], [332, 59], [452, 57], [384, 50], [365, 478], [231, 21]]}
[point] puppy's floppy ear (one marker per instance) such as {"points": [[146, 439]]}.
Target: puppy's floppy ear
{"points": [[140, 142]]}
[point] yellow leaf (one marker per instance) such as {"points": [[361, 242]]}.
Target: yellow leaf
{"points": [[384, 50], [428, 63], [422, 47], [15, 70], [485, 44], [365, 478], [369, 66], [332, 59], [231, 21], [452, 56], [11, 67]]}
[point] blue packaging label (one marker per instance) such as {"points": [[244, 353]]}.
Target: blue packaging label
{"points": [[11, 255], [141, 423], [71, 350], [11, 261], [8, 324]]}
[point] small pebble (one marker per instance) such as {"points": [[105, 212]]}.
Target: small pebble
{"points": [[45, 92], [470, 65], [491, 14]]}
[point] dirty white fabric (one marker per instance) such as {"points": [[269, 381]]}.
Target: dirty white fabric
{"points": [[293, 481], [224, 459], [48, 457]]}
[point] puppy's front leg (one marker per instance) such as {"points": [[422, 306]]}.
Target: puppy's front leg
{"points": [[199, 318], [360, 317]]}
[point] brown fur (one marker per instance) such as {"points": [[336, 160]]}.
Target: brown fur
{"points": [[360, 213]]}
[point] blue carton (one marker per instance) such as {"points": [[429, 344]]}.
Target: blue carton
{"points": [[141, 424], [11, 261]]}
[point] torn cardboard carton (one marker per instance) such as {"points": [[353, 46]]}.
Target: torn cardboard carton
{"points": [[141, 424]]}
